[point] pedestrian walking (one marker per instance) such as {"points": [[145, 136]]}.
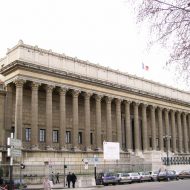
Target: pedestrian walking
{"points": [[57, 178], [52, 178], [46, 184], [73, 179], [1, 181], [69, 179]]}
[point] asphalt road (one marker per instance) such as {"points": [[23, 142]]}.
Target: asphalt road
{"points": [[171, 185]]}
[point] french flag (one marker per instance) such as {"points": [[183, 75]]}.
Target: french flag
{"points": [[145, 67]]}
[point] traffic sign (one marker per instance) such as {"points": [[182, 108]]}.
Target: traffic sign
{"points": [[16, 143], [16, 152]]}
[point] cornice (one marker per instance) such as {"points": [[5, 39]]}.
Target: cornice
{"points": [[35, 48], [71, 76]]}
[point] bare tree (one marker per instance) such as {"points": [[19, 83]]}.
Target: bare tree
{"points": [[170, 25]]}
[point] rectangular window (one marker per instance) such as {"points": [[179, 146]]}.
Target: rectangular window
{"points": [[157, 143], [150, 142], [164, 142], [55, 136], [68, 137], [42, 135], [80, 138], [91, 138], [28, 134]]}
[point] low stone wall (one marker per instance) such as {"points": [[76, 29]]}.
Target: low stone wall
{"points": [[86, 181]]}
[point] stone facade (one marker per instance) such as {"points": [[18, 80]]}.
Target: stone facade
{"points": [[59, 105]]}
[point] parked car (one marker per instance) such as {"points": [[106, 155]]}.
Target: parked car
{"points": [[135, 177], [123, 178], [17, 184], [167, 175], [153, 175], [145, 176], [184, 174], [106, 178]]}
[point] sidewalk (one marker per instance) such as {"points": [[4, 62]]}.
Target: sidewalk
{"points": [[58, 186]]}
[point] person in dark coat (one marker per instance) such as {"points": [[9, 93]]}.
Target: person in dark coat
{"points": [[52, 178], [73, 179], [1, 180], [69, 179], [57, 177]]}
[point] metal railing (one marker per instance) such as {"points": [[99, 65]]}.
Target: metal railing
{"points": [[40, 171]]}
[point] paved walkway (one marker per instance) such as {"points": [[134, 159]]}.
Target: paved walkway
{"points": [[57, 186]]}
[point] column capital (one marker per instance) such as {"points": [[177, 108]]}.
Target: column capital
{"points": [[75, 93], [144, 105], [152, 107], [179, 112], [166, 110], [8, 87], [35, 85], [98, 97], [173, 111], [49, 88], [118, 100], [136, 104], [184, 113], [19, 82], [126, 101], [87, 94], [109, 99], [160, 108], [63, 90]]}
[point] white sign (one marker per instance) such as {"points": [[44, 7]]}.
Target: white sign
{"points": [[14, 142], [111, 151], [16, 152], [86, 165]]}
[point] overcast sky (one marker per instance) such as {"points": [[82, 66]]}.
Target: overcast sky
{"points": [[101, 31]]}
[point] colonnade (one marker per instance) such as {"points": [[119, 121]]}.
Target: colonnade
{"points": [[140, 118]]}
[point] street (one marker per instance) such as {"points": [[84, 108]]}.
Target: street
{"points": [[174, 185]]}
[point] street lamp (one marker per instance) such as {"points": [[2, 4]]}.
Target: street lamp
{"points": [[167, 138]]}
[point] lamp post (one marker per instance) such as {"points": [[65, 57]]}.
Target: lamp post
{"points": [[167, 138]]}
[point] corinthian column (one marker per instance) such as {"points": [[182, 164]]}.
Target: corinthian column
{"points": [[98, 122], [144, 126], [160, 129], [18, 108], [136, 126], [75, 94], [49, 90], [152, 111], [173, 127], [180, 149], [167, 130], [128, 125], [109, 120], [185, 137], [188, 117], [62, 135], [118, 119], [8, 106], [34, 115], [87, 120]]}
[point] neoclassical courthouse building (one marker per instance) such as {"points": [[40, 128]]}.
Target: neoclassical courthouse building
{"points": [[64, 107]]}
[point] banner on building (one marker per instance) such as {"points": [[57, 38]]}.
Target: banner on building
{"points": [[111, 151]]}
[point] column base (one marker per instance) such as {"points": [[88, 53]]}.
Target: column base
{"points": [[88, 149], [49, 148], [121, 150], [64, 149], [35, 147], [75, 149], [130, 151], [98, 149]]}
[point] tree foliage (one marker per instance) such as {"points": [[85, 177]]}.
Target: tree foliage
{"points": [[170, 25]]}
